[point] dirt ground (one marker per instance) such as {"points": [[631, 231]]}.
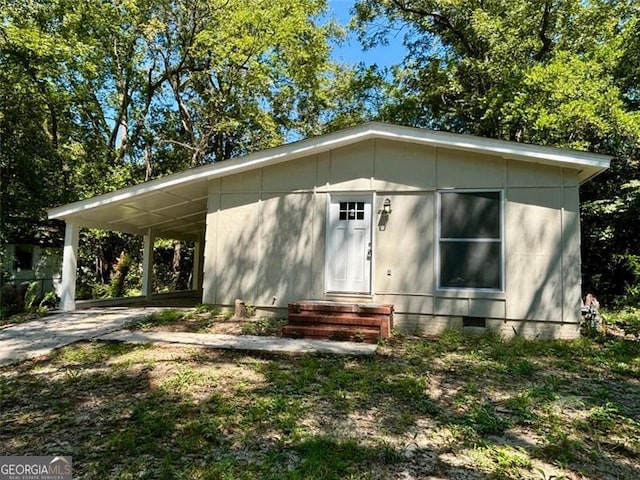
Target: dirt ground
{"points": [[205, 323]]}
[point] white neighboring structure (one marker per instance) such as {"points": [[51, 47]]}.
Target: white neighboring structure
{"points": [[33, 263], [452, 230]]}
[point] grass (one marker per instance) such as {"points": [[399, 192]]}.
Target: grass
{"points": [[264, 326], [450, 407], [161, 318], [205, 319], [627, 318]]}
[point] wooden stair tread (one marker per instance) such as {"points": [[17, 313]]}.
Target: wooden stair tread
{"points": [[326, 307], [331, 332], [342, 319]]}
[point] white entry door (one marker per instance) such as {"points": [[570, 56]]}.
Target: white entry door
{"points": [[349, 247]]}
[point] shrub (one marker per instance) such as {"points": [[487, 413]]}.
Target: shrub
{"points": [[207, 308], [164, 317], [31, 297], [12, 299], [630, 274], [50, 300]]}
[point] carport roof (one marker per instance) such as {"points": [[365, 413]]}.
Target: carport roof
{"points": [[175, 206]]}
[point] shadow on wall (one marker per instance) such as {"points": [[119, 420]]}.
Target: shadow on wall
{"points": [[543, 260], [404, 245], [536, 271], [267, 249]]}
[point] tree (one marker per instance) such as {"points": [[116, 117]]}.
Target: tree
{"points": [[31, 168], [555, 72], [111, 93], [209, 79]]}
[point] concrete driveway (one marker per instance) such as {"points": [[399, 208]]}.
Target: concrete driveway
{"points": [[38, 337]]}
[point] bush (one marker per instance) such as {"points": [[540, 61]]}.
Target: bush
{"points": [[207, 308], [31, 297], [630, 264], [268, 326], [12, 298], [50, 301], [165, 317], [16, 299]]}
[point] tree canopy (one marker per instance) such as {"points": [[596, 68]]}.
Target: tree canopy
{"points": [[98, 95], [549, 72]]}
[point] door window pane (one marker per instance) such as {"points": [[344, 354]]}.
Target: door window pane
{"points": [[351, 211]]}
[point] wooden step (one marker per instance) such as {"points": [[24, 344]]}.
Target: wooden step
{"points": [[339, 321], [332, 332], [313, 318], [333, 307]]}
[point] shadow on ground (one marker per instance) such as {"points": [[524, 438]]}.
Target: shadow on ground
{"points": [[453, 407]]}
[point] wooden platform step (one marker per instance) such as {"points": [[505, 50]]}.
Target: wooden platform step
{"points": [[332, 332], [339, 321], [314, 318], [339, 307]]}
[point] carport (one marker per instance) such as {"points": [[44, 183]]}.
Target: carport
{"points": [[173, 208]]}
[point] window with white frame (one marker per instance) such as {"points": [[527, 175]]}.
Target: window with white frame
{"points": [[470, 240]]}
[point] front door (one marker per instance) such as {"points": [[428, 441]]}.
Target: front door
{"points": [[349, 248]]}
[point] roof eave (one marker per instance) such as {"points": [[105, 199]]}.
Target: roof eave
{"points": [[587, 162]]}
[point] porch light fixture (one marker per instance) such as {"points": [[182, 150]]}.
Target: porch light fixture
{"points": [[386, 207]]}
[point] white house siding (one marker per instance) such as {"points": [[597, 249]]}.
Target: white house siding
{"points": [[265, 240]]}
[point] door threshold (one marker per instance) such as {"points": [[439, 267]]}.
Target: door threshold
{"points": [[349, 295]]}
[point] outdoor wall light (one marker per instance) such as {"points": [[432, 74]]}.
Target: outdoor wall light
{"points": [[386, 207]]}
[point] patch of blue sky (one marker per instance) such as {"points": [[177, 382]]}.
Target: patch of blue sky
{"points": [[351, 51]]}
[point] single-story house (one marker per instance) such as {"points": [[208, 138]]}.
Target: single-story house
{"points": [[452, 230]]}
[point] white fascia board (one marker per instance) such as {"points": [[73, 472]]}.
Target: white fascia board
{"points": [[217, 170], [591, 162]]}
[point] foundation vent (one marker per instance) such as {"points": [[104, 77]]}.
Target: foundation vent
{"points": [[476, 322]]}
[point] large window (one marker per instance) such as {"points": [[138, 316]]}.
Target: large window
{"points": [[470, 243]]}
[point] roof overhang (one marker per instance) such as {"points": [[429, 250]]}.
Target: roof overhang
{"points": [[175, 206]]}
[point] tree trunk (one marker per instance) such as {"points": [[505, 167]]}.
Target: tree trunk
{"points": [[175, 265], [240, 310]]}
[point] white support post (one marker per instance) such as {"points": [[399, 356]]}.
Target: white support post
{"points": [[198, 254], [147, 264], [69, 267]]}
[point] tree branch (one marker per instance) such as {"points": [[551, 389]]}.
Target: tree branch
{"points": [[439, 19], [542, 33]]}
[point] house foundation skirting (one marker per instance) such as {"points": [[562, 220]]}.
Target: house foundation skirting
{"points": [[436, 324], [419, 324]]}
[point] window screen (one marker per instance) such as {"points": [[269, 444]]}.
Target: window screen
{"points": [[471, 240]]}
